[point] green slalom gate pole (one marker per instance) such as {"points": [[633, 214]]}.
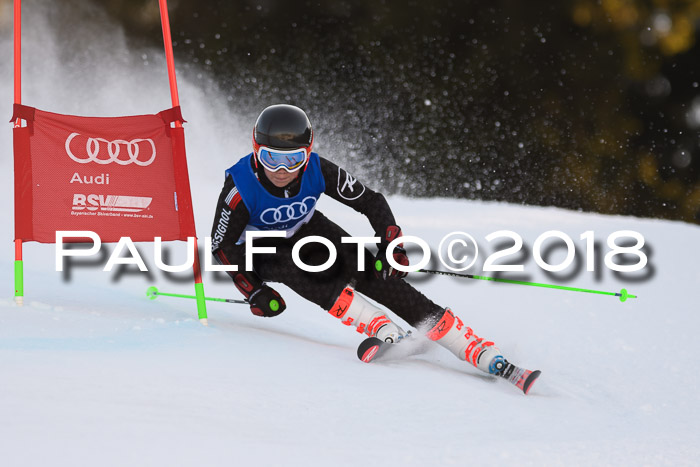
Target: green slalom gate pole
{"points": [[19, 274], [199, 288], [19, 282], [623, 294], [153, 293]]}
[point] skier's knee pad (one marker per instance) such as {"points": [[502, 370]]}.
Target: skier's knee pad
{"points": [[353, 310], [451, 333]]}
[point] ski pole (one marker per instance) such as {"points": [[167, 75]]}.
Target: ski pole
{"points": [[153, 293], [623, 294]]}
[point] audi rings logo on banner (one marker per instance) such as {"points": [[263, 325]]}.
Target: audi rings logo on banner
{"points": [[95, 151], [288, 212]]}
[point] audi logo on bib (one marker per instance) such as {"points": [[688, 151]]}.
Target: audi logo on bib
{"points": [[288, 212], [103, 151]]}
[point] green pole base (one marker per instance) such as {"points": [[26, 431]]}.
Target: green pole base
{"points": [[19, 282], [201, 303]]}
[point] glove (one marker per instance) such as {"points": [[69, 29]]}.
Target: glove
{"points": [[266, 302], [263, 300], [382, 268]]}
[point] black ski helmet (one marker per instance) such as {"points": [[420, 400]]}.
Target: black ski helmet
{"points": [[283, 126]]}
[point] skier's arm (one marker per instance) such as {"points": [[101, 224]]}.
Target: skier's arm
{"points": [[230, 221], [342, 186]]}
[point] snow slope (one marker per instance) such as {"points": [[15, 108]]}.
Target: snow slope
{"points": [[94, 373]]}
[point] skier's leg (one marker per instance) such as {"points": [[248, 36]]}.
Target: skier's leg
{"points": [[352, 309], [318, 288], [329, 289], [443, 326], [450, 332], [400, 297]]}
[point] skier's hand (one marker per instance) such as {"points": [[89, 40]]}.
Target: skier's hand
{"points": [[266, 302], [382, 268]]}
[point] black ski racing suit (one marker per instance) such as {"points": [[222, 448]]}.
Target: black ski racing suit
{"points": [[321, 288]]}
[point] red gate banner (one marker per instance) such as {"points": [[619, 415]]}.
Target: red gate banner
{"points": [[116, 176]]}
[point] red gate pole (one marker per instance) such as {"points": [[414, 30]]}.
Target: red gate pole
{"points": [[19, 266], [170, 60], [168, 43]]}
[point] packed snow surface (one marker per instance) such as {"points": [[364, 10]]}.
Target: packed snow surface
{"points": [[94, 373]]}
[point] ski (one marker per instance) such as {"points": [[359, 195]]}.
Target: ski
{"points": [[519, 377], [372, 348], [369, 348]]}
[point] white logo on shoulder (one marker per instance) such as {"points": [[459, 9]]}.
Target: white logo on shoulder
{"points": [[351, 189]]}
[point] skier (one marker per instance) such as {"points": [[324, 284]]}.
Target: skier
{"points": [[276, 187]]}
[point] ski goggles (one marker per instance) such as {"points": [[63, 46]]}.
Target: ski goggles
{"points": [[276, 159]]}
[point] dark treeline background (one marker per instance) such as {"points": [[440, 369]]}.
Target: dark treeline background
{"points": [[591, 105]]}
